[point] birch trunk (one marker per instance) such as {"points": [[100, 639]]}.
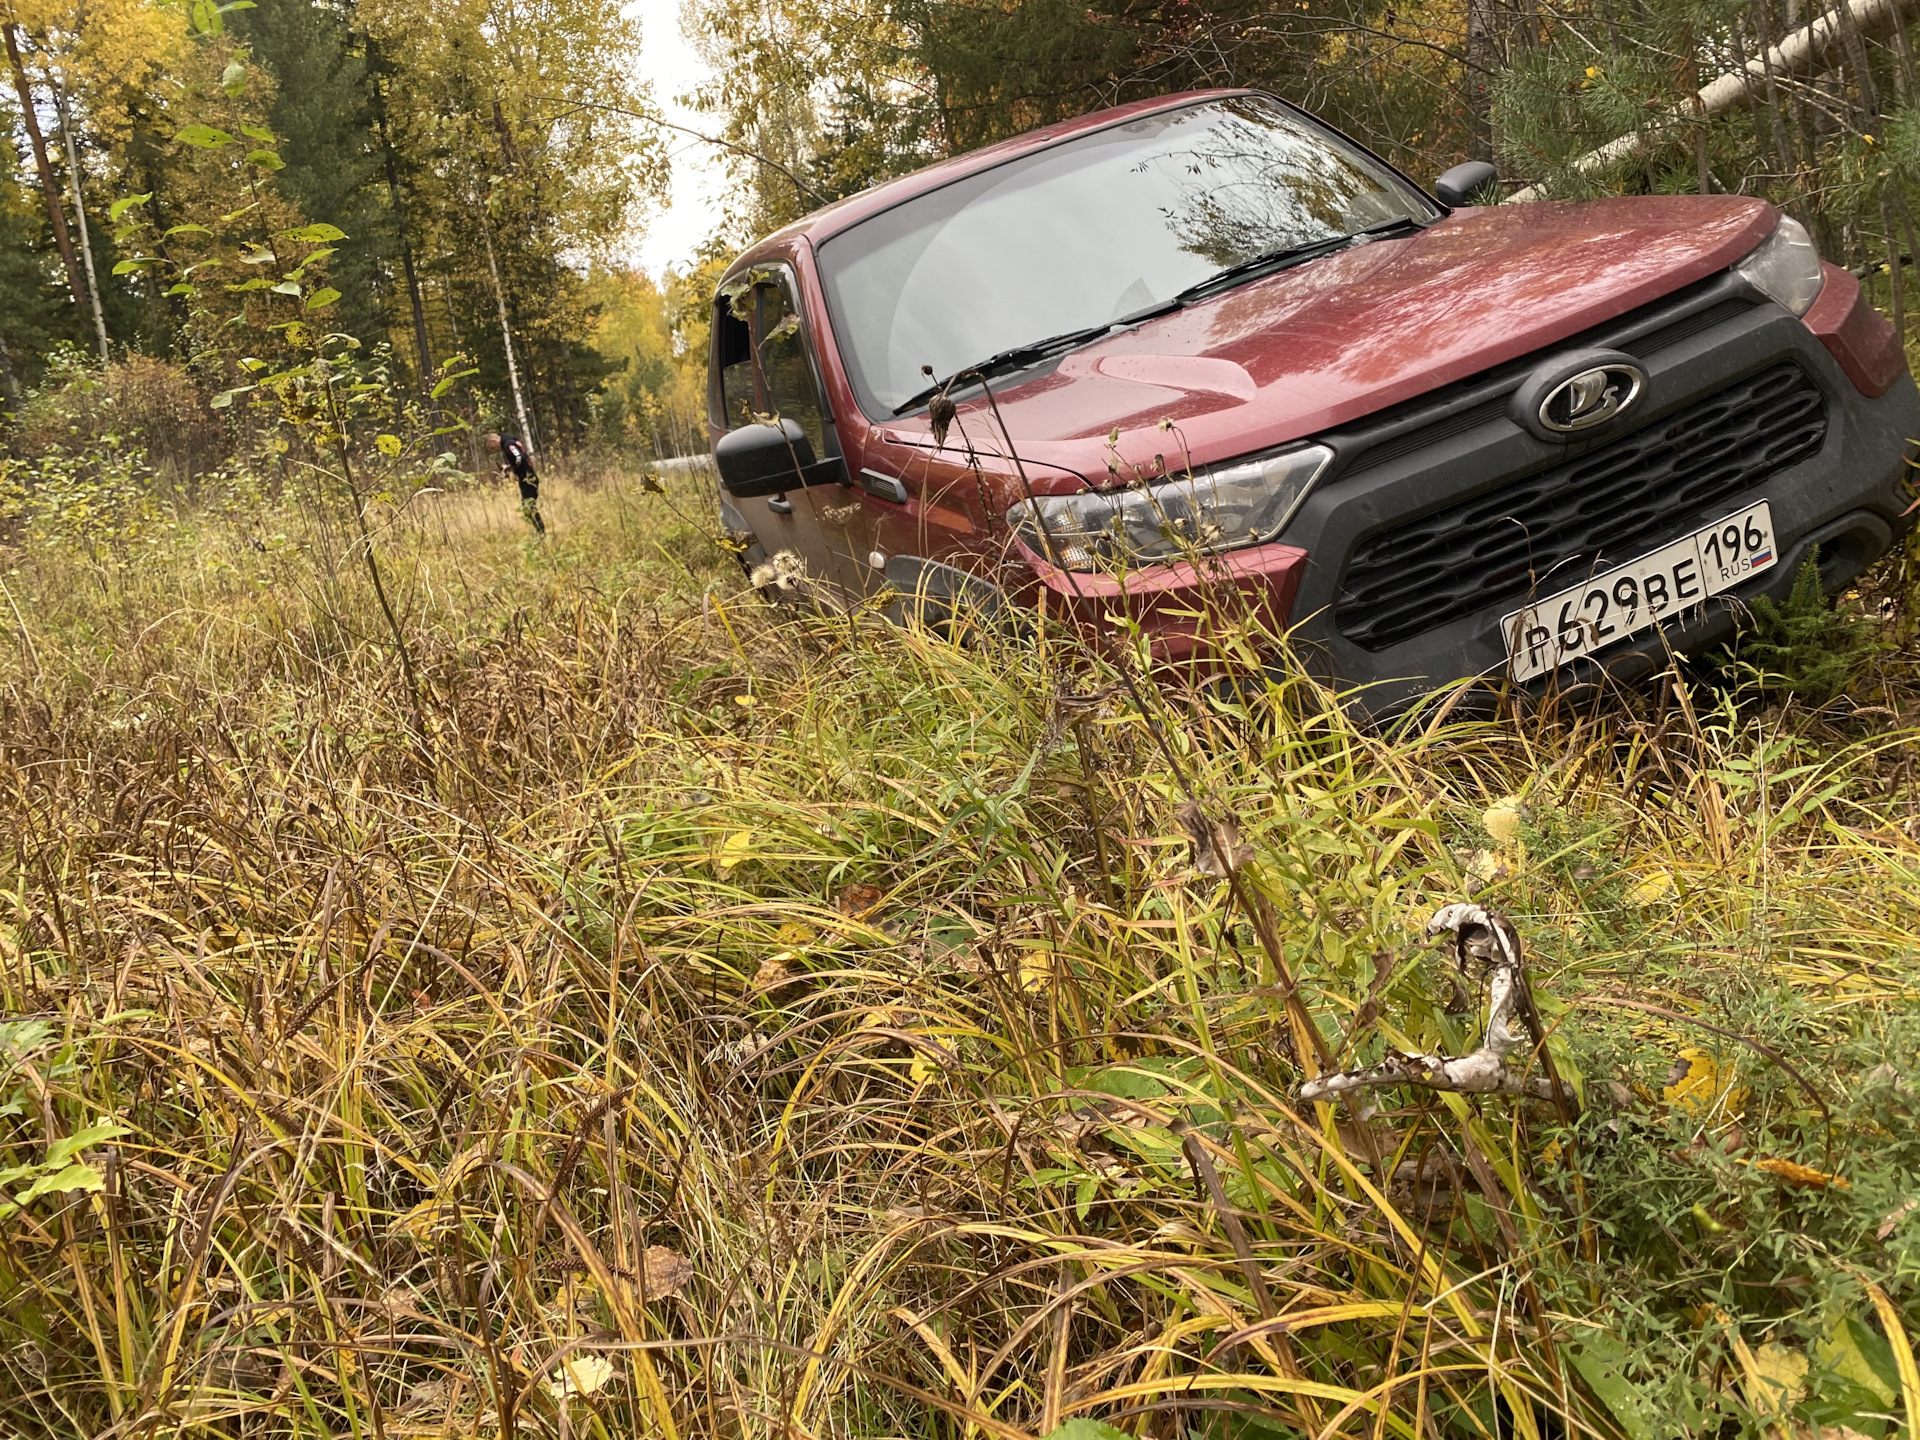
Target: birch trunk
{"points": [[56, 215], [1810, 50], [80, 213], [506, 335]]}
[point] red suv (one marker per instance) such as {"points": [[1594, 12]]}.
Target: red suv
{"points": [[1206, 346]]}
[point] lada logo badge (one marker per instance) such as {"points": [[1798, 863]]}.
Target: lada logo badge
{"points": [[1591, 398]]}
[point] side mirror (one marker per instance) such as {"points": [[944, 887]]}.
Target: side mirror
{"points": [[1460, 185], [769, 459]]}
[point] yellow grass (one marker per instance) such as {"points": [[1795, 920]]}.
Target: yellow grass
{"points": [[869, 977]]}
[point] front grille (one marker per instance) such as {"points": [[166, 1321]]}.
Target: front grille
{"points": [[1612, 503]]}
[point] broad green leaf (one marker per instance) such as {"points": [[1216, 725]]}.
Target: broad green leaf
{"points": [[447, 384], [287, 287], [260, 133], [188, 229], [78, 1176], [266, 160], [127, 267], [182, 288], [317, 255], [1600, 1360], [259, 255], [318, 234], [20, 1036], [1861, 1358], [1081, 1428], [121, 206], [233, 79], [204, 15], [1132, 1081], [320, 299], [204, 136], [225, 397], [97, 1133]]}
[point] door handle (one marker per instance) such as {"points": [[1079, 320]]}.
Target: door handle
{"points": [[780, 505], [884, 486]]}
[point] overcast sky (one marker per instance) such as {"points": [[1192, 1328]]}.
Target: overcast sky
{"points": [[669, 63]]}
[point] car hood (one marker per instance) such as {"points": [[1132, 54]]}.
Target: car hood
{"points": [[1326, 343]]}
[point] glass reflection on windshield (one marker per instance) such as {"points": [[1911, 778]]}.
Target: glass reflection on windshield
{"points": [[1088, 231]]}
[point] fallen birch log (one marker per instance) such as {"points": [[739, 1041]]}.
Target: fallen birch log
{"points": [[1810, 50], [1486, 936]]}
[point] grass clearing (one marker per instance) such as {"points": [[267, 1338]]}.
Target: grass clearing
{"points": [[750, 1025]]}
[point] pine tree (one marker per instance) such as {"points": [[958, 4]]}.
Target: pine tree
{"points": [[322, 112]]}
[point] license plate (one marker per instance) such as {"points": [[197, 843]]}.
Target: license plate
{"points": [[1638, 595]]}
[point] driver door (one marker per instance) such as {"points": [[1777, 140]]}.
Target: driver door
{"points": [[767, 367]]}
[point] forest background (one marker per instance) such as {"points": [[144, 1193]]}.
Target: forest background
{"points": [[481, 168]]}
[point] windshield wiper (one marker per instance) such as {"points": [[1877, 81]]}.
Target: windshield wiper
{"points": [[1021, 356], [1017, 358], [1297, 254]]}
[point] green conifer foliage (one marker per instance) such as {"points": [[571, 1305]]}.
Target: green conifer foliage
{"points": [[323, 114], [34, 311], [1804, 646]]}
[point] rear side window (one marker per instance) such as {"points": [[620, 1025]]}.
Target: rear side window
{"points": [[765, 323]]}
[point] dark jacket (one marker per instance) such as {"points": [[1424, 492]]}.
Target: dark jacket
{"points": [[517, 458]]}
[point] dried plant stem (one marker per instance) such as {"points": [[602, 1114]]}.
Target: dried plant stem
{"points": [[1490, 938], [357, 503]]}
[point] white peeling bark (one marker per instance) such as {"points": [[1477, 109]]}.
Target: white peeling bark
{"points": [[1807, 51], [80, 210], [506, 333], [1489, 937]]}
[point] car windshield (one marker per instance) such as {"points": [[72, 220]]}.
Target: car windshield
{"points": [[1083, 233]]}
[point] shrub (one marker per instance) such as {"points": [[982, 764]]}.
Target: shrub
{"points": [[141, 405]]}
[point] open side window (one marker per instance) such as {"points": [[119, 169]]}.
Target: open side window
{"points": [[787, 362], [733, 359], [765, 325]]}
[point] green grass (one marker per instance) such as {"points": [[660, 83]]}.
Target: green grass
{"points": [[870, 977]]}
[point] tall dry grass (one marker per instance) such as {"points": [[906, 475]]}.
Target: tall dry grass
{"points": [[725, 1023]]}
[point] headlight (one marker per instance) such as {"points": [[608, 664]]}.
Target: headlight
{"points": [[1786, 267], [1243, 502]]}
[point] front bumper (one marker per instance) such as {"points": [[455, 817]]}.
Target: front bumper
{"points": [[1846, 496]]}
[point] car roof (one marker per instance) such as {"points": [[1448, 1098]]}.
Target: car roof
{"points": [[838, 216]]}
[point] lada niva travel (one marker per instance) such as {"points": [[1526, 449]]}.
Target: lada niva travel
{"points": [[1206, 347]]}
